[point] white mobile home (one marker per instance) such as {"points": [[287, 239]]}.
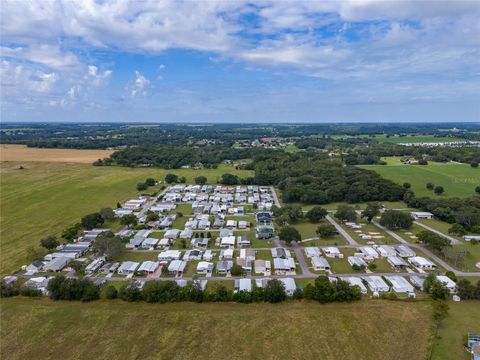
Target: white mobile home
{"points": [[312, 251], [228, 241], [368, 253], [128, 267], [177, 267], [419, 215], [205, 267], [320, 263], [283, 266], [226, 254], [169, 255], [358, 261], [94, 266], [421, 263], [332, 252], [385, 250], [224, 266], [397, 262], [149, 267], [243, 285], [355, 281], [149, 243], [376, 284], [56, 264], [289, 284], [248, 254], [447, 282], [417, 281], [404, 251], [399, 284], [171, 234], [263, 266]]}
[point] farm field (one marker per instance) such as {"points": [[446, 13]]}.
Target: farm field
{"points": [[185, 330], [457, 179], [44, 198], [463, 317], [11, 152]]}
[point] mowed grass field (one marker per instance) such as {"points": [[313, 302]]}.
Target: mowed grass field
{"points": [[457, 179], [44, 198], [11, 152], [43, 329], [464, 317]]}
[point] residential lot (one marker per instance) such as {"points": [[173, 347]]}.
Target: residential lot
{"points": [[204, 232], [186, 330]]}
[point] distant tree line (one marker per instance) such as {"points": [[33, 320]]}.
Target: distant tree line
{"points": [[174, 157]]}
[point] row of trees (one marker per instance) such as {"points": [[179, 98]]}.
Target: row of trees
{"points": [[62, 288], [146, 184], [274, 292], [82, 289], [462, 211], [174, 157]]}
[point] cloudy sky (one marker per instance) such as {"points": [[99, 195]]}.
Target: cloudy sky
{"points": [[240, 61]]}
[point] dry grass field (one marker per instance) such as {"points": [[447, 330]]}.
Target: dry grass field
{"points": [[43, 329], [11, 152]]}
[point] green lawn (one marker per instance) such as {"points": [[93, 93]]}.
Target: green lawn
{"points": [[185, 209], [43, 329], [45, 198], [463, 317], [179, 223], [440, 226], [264, 255], [341, 266], [457, 179], [307, 231], [136, 256]]}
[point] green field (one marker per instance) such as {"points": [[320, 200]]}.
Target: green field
{"points": [[457, 179], [44, 198], [464, 317], [307, 231], [43, 329]]}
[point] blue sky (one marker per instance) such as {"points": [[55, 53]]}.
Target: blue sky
{"points": [[240, 61]]}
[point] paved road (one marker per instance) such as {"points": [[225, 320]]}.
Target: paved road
{"points": [[427, 252], [275, 197], [303, 263], [150, 203], [453, 241], [341, 230], [391, 233]]}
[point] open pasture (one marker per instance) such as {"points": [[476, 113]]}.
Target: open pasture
{"points": [[11, 152], [457, 179], [299, 330]]}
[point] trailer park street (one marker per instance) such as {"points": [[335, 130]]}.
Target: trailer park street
{"points": [[204, 230]]}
